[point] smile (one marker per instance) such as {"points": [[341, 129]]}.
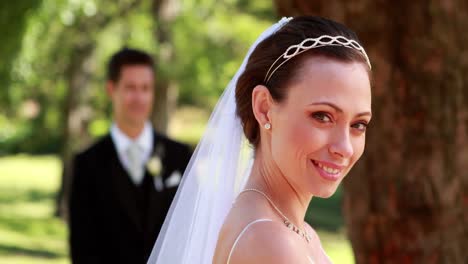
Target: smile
{"points": [[328, 171]]}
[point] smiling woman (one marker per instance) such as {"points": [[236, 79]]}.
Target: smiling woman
{"points": [[317, 105], [303, 99]]}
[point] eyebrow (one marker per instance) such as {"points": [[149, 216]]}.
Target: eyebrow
{"points": [[339, 110]]}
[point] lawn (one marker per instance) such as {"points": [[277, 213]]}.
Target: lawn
{"points": [[28, 231]]}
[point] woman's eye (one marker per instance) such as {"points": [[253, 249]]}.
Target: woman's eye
{"points": [[361, 126], [321, 117]]}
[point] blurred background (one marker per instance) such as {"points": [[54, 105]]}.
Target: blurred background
{"points": [[405, 202]]}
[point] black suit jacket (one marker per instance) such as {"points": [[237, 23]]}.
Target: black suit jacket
{"points": [[110, 221]]}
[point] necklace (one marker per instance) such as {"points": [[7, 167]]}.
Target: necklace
{"points": [[286, 221]]}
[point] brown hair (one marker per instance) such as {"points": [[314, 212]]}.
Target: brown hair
{"points": [[265, 54], [126, 57]]}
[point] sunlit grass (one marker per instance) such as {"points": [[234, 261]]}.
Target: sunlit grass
{"points": [[337, 246], [24, 172], [21, 259], [29, 233]]}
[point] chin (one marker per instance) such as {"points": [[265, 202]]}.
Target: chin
{"points": [[325, 192], [325, 195], [137, 120]]}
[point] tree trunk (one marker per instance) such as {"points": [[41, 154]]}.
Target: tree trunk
{"points": [[75, 119], [166, 91], [407, 199]]}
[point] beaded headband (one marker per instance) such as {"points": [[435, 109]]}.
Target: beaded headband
{"points": [[311, 43]]}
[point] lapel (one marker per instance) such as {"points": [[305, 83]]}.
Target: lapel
{"points": [[159, 151], [124, 189], [157, 204]]}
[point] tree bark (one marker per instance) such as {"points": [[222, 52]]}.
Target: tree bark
{"points": [[75, 119], [166, 91], [407, 199]]}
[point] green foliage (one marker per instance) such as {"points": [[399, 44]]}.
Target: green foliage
{"points": [[13, 18], [326, 213], [211, 39], [58, 34]]}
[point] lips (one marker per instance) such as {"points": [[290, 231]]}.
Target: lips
{"points": [[328, 171]]}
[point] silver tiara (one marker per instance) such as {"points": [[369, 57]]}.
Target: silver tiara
{"points": [[311, 43]]}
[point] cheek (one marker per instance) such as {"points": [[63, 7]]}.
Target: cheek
{"points": [[148, 96], [293, 142], [358, 146], [300, 137], [143, 96], [306, 138], [122, 99], [138, 98], [126, 97], [287, 137]]}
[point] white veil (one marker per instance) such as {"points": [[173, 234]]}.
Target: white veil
{"points": [[215, 175]]}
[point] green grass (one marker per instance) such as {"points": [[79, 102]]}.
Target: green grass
{"points": [[337, 246], [28, 231]]}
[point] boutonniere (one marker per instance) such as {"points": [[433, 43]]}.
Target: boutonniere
{"points": [[154, 166]]}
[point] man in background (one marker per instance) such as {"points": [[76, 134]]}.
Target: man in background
{"points": [[124, 184]]}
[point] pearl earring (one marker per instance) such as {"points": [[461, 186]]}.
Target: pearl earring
{"points": [[267, 126]]}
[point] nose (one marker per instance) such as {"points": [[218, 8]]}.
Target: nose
{"points": [[341, 145], [140, 95]]}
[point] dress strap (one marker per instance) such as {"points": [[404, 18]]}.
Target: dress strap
{"points": [[241, 233]]}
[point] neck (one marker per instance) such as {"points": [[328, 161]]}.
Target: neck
{"points": [[132, 130], [267, 177]]}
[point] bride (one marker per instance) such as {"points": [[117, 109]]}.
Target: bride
{"points": [[289, 126]]}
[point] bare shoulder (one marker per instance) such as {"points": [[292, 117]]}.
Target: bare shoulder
{"points": [[267, 242], [317, 251], [312, 233]]}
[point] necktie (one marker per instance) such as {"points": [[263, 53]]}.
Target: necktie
{"points": [[135, 165]]}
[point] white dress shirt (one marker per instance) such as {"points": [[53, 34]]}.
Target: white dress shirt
{"points": [[122, 142]]}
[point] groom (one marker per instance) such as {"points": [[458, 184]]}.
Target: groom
{"points": [[124, 184]]}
